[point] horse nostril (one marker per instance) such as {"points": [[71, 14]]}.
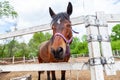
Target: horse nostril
{"points": [[53, 51], [57, 53], [60, 50]]}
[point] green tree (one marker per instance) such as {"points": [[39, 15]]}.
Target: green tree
{"points": [[22, 50], [7, 10], [12, 47], [74, 46], [115, 33], [115, 45], [36, 40], [2, 49], [78, 47]]}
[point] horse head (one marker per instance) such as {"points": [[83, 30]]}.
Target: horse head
{"points": [[62, 33]]}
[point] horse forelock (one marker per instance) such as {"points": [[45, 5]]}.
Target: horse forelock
{"points": [[62, 16]]}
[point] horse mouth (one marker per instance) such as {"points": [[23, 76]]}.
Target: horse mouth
{"points": [[59, 58]]}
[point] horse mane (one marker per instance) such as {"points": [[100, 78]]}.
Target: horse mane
{"points": [[61, 16]]}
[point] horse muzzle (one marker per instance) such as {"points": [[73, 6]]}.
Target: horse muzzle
{"points": [[58, 53]]}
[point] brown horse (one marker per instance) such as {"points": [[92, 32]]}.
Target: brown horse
{"points": [[57, 49]]}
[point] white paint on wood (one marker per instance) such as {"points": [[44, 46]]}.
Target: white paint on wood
{"points": [[26, 31], [94, 51], [44, 27], [13, 59], [75, 21], [106, 46], [117, 65], [44, 67], [110, 18], [49, 66]]}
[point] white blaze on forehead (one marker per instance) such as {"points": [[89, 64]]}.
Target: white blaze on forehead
{"points": [[58, 21]]}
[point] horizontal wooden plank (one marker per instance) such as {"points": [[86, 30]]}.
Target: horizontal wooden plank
{"points": [[49, 67], [117, 65], [44, 27], [111, 18], [75, 21], [44, 67], [25, 31]]}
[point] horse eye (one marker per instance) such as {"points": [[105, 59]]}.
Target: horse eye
{"points": [[53, 27], [68, 25]]}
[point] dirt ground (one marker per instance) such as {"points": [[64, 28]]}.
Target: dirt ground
{"points": [[70, 75]]}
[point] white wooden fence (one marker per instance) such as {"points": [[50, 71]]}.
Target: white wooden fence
{"points": [[110, 18], [100, 54], [116, 53], [17, 60]]}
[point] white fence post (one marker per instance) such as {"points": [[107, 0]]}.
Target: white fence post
{"points": [[33, 58], [13, 59], [24, 59], [94, 49], [105, 44], [117, 53]]}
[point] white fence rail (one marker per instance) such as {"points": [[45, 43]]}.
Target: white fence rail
{"points": [[17, 60], [49, 67], [44, 67], [75, 21]]}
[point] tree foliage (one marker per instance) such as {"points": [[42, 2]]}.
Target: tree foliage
{"points": [[115, 33], [31, 49], [115, 45], [36, 40], [115, 37], [7, 10], [79, 47]]}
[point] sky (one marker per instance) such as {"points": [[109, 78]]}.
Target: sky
{"points": [[35, 12]]}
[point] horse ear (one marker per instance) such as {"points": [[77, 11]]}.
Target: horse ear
{"points": [[69, 8], [51, 12]]}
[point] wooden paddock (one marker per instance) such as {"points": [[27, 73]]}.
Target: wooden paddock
{"points": [[100, 54]]}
